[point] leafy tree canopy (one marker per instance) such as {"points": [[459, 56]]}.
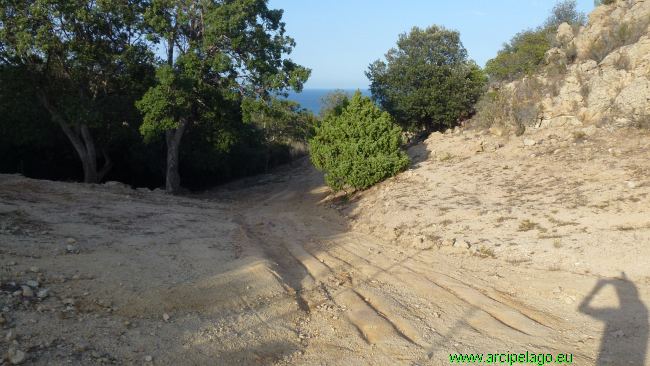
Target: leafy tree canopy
{"points": [[427, 81]]}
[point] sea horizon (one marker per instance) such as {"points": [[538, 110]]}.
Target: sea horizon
{"points": [[310, 98]]}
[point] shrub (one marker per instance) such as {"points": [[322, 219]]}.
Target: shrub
{"points": [[524, 54], [427, 82], [359, 147], [509, 108]]}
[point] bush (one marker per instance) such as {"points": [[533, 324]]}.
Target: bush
{"points": [[512, 108], [427, 82], [359, 147], [524, 54]]}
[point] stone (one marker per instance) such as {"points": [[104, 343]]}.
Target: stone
{"points": [[3, 320], [68, 301], [27, 291], [43, 293], [618, 334], [564, 34], [10, 336], [16, 356], [462, 244], [165, 317], [70, 240], [32, 283], [529, 142], [34, 269], [631, 185], [148, 358]]}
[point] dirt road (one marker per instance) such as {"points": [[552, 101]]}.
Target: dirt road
{"points": [[268, 271]]}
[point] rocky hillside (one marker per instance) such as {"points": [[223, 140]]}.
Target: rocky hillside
{"points": [[609, 80], [596, 74]]}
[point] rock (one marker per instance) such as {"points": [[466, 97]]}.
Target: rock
{"points": [[564, 34], [148, 358], [632, 185], [529, 142], [165, 317], [3, 320], [557, 290], [618, 334], [27, 291], [43, 293], [10, 336], [34, 269], [71, 248], [32, 283], [462, 244], [68, 301], [16, 356], [71, 240]]}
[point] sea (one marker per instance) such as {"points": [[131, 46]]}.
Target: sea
{"points": [[311, 99]]}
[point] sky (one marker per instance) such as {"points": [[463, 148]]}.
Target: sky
{"points": [[338, 39]]}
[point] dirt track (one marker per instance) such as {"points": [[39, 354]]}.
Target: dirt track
{"points": [[266, 272]]}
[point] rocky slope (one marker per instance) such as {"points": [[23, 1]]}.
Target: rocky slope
{"points": [[600, 74]]}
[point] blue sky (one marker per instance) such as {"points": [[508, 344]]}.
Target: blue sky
{"points": [[338, 39]]}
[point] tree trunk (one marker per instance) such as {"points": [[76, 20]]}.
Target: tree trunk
{"points": [[173, 139], [83, 144]]}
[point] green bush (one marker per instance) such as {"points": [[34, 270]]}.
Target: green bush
{"points": [[427, 81], [359, 147]]}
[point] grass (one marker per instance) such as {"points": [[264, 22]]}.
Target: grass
{"points": [[527, 225], [486, 252]]}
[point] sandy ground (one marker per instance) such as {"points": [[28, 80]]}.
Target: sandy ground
{"points": [[484, 245]]}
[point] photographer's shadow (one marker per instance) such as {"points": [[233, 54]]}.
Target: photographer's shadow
{"points": [[625, 338]]}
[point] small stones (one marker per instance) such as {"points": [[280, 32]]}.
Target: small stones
{"points": [[166, 317], [618, 334], [148, 358]]}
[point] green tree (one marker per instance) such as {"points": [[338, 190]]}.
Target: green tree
{"points": [[427, 81], [216, 50], [86, 61], [334, 103], [521, 56], [359, 147]]}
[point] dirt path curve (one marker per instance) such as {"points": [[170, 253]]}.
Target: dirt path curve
{"points": [[365, 301]]}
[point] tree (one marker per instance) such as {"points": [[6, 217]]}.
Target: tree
{"points": [[521, 56], [85, 60], [334, 103], [359, 147], [281, 122], [216, 50], [427, 81]]}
